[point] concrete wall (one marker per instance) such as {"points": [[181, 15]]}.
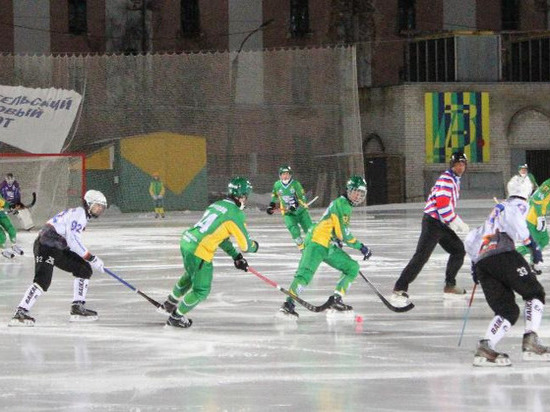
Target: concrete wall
{"points": [[519, 120]]}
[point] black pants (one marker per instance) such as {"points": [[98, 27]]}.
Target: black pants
{"points": [[433, 232], [46, 258], [503, 274]]}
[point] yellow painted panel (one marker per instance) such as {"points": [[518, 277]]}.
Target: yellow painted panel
{"points": [[100, 160], [177, 158]]}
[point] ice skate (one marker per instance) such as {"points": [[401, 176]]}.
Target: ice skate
{"points": [[487, 357], [21, 318], [400, 298], [178, 321], [8, 253], [17, 250], [453, 292], [533, 349], [79, 313], [287, 310], [169, 305], [337, 304]]}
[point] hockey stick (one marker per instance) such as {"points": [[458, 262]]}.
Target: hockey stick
{"points": [[20, 205], [302, 302], [139, 292], [467, 314], [385, 301], [308, 204]]}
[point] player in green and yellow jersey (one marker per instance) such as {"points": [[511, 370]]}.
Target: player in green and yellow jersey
{"points": [[536, 219], [289, 195], [221, 220], [323, 243]]}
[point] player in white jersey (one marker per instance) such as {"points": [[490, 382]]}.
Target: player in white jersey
{"points": [[502, 271], [59, 244]]}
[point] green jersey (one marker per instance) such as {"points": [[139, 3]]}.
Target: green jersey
{"points": [[156, 188], [335, 224], [289, 195], [538, 205], [220, 221]]}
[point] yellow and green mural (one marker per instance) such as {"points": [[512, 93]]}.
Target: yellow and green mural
{"points": [[123, 171], [457, 121]]}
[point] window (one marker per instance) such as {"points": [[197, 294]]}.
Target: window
{"points": [[190, 18], [77, 17], [431, 60], [509, 14], [407, 15], [299, 18]]}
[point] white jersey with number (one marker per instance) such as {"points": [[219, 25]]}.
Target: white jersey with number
{"points": [[505, 225], [70, 224]]}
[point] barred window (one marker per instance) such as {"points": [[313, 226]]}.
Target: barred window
{"points": [[77, 17], [190, 18], [299, 18], [431, 60]]}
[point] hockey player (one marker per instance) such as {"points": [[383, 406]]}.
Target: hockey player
{"points": [[502, 271], [322, 245], [289, 195], [10, 190], [440, 225], [221, 220], [157, 191], [59, 244], [536, 221], [7, 227], [523, 174]]}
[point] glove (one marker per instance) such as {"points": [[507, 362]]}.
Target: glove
{"points": [[337, 242], [541, 223], [240, 262], [155, 197], [292, 208], [459, 226], [536, 269], [97, 264], [365, 251], [271, 208], [474, 273]]}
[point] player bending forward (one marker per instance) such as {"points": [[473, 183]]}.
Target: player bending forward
{"points": [[322, 245], [501, 271], [59, 244], [220, 221]]}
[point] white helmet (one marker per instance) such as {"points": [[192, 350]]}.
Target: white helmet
{"points": [[519, 187], [95, 197]]}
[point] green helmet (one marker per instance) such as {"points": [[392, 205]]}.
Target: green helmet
{"points": [[285, 168], [239, 187], [356, 189]]}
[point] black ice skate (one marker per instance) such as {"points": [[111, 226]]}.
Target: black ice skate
{"points": [[485, 356], [338, 304], [533, 349], [178, 321], [79, 313], [21, 318], [288, 310], [169, 305]]}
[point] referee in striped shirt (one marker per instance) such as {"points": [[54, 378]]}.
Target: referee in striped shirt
{"points": [[440, 225]]}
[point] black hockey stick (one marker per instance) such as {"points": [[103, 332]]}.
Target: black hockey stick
{"points": [[385, 301], [302, 302], [20, 205], [139, 292]]}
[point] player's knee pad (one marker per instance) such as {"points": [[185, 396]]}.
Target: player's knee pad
{"points": [[510, 312], [85, 271]]}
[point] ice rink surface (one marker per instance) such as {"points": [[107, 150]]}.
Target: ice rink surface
{"points": [[238, 355]]}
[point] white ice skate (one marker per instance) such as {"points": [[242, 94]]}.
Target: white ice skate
{"points": [[21, 318], [8, 253], [79, 313], [487, 357], [17, 250], [533, 349]]}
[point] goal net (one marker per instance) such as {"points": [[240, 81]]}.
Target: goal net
{"points": [[57, 179], [200, 119]]}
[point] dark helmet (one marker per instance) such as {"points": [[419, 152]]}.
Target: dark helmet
{"points": [[458, 156], [284, 169]]}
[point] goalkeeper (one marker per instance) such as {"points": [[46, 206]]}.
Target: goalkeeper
{"points": [[289, 195], [220, 221], [323, 244], [536, 220]]}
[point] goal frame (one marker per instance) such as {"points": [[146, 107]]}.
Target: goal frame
{"points": [[82, 157]]}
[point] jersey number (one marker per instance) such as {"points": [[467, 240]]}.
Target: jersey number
{"points": [[206, 221]]}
